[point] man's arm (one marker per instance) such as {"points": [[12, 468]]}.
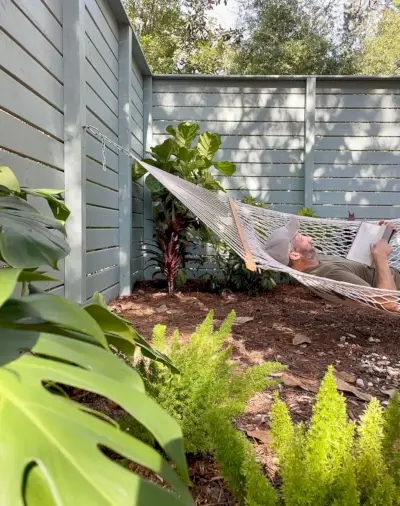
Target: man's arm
{"points": [[381, 251]]}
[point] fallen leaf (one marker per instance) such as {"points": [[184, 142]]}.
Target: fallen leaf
{"points": [[390, 392], [261, 435], [162, 309], [301, 339], [343, 386], [240, 320], [291, 380], [346, 376]]}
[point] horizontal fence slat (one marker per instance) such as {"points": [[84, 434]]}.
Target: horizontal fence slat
{"points": [[16, 24], [100, 109], [226, 86], [101, 89], [378, 86], [137, 234], [138, 74], [99, 260], [137, 105], [358, 101], [18, 62], [59, 291], [228, 100], [104, 129], [136, 146], [361, 212], [93, 149], [100, 196], [355, 115], [96, 174], [136, 130], [251, 142], [22, 102], [260, 156], [360, 171], [358, 157], [96, 37], [342, 184], [101, 281], [103, 25], [44, 21], [347, 198], [137, 265], [357, 129], [99, 217], [359, 143], [226, 114], [94, 57], [262, 183], [137, 190], [270, 196], [32, 174], [111, 293], [101, 238], [23, 139], [269, 169], [55, 6]]}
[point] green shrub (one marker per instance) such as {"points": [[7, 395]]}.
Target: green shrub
{"points": [[333, 462], [308, 211], [206, 397]]}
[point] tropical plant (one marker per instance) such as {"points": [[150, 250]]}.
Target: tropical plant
{"points": [[190, 156], [54, 450], [308, 211], [334, 462], [207, 396]]}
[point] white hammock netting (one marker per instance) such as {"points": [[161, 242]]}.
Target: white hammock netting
{"points": [[246, 228]]}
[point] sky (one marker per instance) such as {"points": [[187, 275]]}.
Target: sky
{"points": [[226, 14]]}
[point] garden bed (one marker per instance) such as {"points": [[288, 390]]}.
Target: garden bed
{"points": [[362, 343]]}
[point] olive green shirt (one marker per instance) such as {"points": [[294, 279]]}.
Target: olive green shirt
{"points": [[340, 269]]}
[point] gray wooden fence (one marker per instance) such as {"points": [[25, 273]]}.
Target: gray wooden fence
{"points": [[327, 142]]}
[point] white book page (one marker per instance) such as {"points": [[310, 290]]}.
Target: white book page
{"points": [[367, 234]]}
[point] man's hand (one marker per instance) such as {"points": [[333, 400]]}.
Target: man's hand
{"points": [[390, 225], [381, 250]]}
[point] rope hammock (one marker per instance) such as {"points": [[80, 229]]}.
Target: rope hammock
{"points": [[246, 228]]}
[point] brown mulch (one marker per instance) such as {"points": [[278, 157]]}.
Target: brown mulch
{"points": [[361, 342]]}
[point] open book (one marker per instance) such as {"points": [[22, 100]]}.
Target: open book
{"points": [[367, 234]]}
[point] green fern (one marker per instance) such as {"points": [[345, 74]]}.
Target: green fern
{"points": [[376, 486], [208, 394]]}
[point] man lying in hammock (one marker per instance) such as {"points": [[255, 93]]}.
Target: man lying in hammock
{"points": [[289, 247]]}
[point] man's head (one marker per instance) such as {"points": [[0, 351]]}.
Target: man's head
{"points": [[289, 247]]}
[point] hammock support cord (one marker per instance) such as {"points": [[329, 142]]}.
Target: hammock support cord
{"points": [[246, 228]]}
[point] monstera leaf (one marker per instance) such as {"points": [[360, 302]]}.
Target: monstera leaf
{"points": [[51, 447], [27, 237]]}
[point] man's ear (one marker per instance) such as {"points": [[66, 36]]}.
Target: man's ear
{"points": [[294, 255]]}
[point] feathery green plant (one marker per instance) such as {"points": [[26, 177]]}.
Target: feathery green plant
{"points": [[206, 397]]}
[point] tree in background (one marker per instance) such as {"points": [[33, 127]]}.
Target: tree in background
{"points": [[381, 50], [178, 36]]}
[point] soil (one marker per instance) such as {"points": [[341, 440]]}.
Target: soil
{"points": [[362, 343]]}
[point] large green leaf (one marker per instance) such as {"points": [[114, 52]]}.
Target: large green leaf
{"points": [[8, 179], [163, 151], [58, 208], [120, 333], [49, 309], [8, 282], [225, 168], [27, 237], [208, 145], [185, 133], [63, 438]]}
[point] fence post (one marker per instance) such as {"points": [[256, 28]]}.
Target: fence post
{"points": [[309, 141], [148, 141], [124, 163], [74, 146]]}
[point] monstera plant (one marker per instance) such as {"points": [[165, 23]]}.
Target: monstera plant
{"points": [[53, 450], [190, 156]]}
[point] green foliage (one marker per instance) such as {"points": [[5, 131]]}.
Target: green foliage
{"points": [[333, 463], [380, 53], [208, 394], [190, 156], [308, 211], [51, 345], [179, 36]]}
